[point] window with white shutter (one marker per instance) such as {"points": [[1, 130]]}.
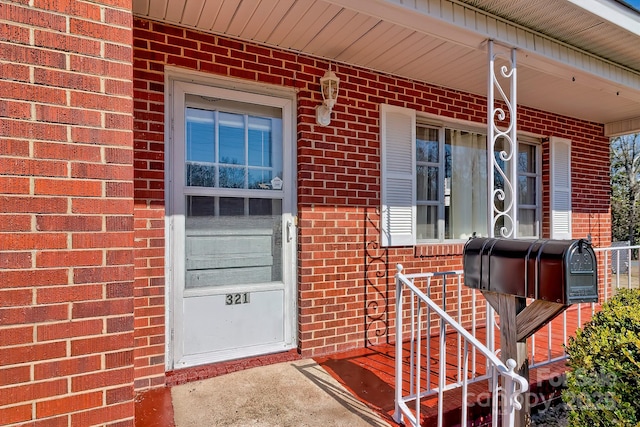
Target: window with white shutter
{"points": [[434, 180], [398, 214], [560, 188]]}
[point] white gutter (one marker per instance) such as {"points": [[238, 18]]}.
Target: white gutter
{"points": [[613, 12]]}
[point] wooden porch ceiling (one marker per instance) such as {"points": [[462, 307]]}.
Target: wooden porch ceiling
{"points": [[411, 38]]}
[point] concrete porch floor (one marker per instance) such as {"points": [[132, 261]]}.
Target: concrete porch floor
{"points": [[354, 388], [286, 394], [348, 389]]}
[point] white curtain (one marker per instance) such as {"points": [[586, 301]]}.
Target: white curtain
{"points": [[468, 210]]}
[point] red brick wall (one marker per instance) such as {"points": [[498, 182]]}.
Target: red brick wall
{"points": [[338, 179], [148, 107], [66, 213]]}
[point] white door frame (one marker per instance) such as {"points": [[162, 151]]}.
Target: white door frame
{"points": [[177, 83]]}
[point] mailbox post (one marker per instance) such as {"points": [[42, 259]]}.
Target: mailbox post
{"points": [[555, 273]]}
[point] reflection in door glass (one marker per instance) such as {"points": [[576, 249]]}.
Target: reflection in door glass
{"points": [[200, 135], [232, 177], [232, 241], [227, 149], [231, 128], [259, 141]]}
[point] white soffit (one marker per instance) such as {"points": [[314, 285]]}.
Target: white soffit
{"points": [[464, 23], [442, 42]]}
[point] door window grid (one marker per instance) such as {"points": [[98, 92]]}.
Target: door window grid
{"points": [[232, 150]]}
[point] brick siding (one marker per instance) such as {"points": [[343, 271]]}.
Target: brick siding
{"points": [[66, 213], [338, 180]]}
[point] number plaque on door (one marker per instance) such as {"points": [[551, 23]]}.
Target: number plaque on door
{"points": [[233, 299]]}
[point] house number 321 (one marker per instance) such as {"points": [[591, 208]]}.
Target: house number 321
{"points": [[232, 299]]}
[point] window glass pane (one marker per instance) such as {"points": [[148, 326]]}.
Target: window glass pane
{"points": [[200, 135], [526, 158], [259, 141], [527, 223], [466, 181], [427, 222], [527, 190], [232, 177], [231, 138], [427, 145], [201, 175], [427, 183]]}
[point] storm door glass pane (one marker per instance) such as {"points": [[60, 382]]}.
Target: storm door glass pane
{"points": [[233, 145], [231, 138], [232, 177], [231, 206], [200, 147], [201, 175], [259, 141], [232, 241], [200, 135], [260, 178]]}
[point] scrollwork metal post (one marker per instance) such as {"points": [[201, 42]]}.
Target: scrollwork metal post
{"points": [[502, 201], [508, 154], [503, 206], [376, 282]]}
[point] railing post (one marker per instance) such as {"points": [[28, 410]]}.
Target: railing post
{"points": [[510, 403], [397, 415]]}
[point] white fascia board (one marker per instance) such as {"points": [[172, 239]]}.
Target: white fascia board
{"points": [[613, 12], [460, 23]]}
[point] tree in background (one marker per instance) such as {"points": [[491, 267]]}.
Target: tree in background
{"points": [[625, 187]]}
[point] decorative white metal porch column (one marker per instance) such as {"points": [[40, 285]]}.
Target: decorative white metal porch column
{"points": [[502, 203], [502, 176]]}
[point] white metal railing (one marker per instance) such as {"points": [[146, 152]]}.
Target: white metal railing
{"points": [[618, 268], [432, 294], [429, 325]]}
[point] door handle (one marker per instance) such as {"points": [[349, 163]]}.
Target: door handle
{"points": [[290, 230]]}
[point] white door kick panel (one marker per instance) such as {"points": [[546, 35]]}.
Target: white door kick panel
{"points": [[222, 326]]}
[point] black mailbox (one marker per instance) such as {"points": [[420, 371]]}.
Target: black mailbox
{"points": [[560, 271]]}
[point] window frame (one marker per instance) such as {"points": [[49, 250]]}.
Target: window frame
{"points": [[440, 203]]}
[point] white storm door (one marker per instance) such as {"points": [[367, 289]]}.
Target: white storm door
{"points": [[232, 237]]}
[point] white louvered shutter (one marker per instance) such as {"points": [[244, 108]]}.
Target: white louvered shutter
{"points": [[560, 188], [398, 138]]}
